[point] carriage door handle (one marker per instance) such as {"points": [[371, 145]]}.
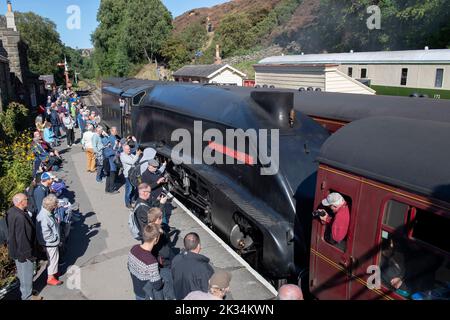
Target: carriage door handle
{"points": [[347, 262]]}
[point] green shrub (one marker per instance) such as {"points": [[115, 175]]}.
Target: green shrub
{"points": [[7, 268], [15, 169], [13, 120]]}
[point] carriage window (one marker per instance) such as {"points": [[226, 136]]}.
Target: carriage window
{"points": [[350, 71], [404, 76], [395, 214], [411, 269], [439, 78], [432, 229], [336, 232], [137, 98], [363, 73]]}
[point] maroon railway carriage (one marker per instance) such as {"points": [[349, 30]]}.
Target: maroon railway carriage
{"points": [[394, 174]]}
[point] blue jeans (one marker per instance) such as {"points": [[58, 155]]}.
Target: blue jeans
{"points": [[166, 275], [56, 131], [139, 298], [25, 275], [128, 192], [36, 165], [99, 173], [167, 212]]}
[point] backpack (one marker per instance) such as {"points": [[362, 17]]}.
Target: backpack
{"points": [[132, 223], [31, 207], [58, 187], [134, 175]]}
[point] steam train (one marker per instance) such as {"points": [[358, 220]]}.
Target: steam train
{"points": [[334, 110], [255, 213], [267, 217]]}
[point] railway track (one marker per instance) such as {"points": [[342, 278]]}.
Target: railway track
{"points": [[91, 96]]}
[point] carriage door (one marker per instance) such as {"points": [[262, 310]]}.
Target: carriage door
{"points": [[126, 117], [332, 261]]}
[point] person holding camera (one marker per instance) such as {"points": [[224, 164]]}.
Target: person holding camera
{"points": [[341, 216], [128, 160], [156, 180], [144, 203], [154, 177]]}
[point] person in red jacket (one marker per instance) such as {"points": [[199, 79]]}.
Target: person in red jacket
{"points": [[341, 220]]}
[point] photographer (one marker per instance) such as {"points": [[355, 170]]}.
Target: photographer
{"points": [[132, 142], [340, 219], [128, 159], [144, 203], [154, 177]]}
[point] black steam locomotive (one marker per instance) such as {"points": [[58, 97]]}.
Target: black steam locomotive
{"points": [[258, 191]]}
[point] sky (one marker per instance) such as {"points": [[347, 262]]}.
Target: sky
{"points": [[64, 14]]}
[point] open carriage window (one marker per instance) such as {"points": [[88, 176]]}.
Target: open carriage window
{"points": [[415, 265], [338, 207]]}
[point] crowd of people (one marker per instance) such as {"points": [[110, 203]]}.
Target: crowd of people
{"points": [[38, 217]]}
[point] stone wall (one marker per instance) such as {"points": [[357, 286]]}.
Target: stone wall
{"points": [[10, 40], [259, 55]]}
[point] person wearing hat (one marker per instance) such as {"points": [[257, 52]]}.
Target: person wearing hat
{"points": [[219, 286], [42, 189], [152, 176], [341, 220]]}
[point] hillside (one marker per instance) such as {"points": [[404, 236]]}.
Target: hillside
{"points": [[304, 15], [218, 12], [314, 26]]}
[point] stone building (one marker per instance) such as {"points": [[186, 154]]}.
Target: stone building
{"points": [[16, 81]]}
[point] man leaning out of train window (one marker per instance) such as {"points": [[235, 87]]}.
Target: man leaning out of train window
{"points": [[341, 220]]}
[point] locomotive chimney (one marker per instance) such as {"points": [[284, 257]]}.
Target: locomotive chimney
{"points": [[217, 59], [279, 105]]}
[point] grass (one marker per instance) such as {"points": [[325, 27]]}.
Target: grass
{"points": [[399, 91], [247, 68]]}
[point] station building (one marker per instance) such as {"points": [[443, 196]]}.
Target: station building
{"points": [[409, 72]]}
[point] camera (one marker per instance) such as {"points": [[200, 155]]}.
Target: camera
{"points": [[318, 213], [165, 193]]}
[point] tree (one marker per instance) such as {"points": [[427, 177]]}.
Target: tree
{"points": [[78, 63], [148, 24], [405, 24], [108, 35], [45, 49], [234, 33], [130, 32], [176, 52]]}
